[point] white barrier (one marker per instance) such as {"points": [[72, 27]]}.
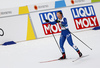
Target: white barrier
{"points": [[9, 12], [13, 11], [41, 6], [17, 27], [79, 18]]}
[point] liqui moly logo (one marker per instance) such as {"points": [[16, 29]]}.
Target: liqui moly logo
{"points": [[51, 16], [84, 17]]}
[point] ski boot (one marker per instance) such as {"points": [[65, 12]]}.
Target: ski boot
{"points": [[63, 56], [80, 54]]}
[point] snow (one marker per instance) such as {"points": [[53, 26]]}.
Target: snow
{"points": [[28, 54]]}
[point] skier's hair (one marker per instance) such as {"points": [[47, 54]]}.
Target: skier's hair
{"points": [[60, 12]]}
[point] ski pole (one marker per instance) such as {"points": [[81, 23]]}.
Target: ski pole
{"points": [[80, 40], [54, 38]]}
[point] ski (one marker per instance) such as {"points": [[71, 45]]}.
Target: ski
{"points": [[80, 58], [49, 61], [55, 60], [64, 59]]}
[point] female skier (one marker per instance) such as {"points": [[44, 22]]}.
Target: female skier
{"points": [[64, 34]]}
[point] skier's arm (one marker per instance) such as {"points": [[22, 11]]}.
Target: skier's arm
{"points": [[52, 23], [64, 22]]}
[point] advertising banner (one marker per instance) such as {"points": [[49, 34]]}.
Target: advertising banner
{"points": [[41, 28], [79, 18], [76, 2], [84, 17]]}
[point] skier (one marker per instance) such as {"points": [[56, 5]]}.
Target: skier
{"points": [[64, 34]]}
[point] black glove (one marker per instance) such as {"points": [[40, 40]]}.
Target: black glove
{"points": [[57, 21], [46, 20]]}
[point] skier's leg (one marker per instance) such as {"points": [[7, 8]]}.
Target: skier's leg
{"points": [[69, 39], [61, 41]]}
